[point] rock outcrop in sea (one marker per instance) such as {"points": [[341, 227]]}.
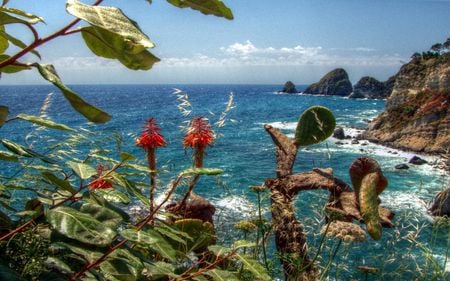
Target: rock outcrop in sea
{"points": [[335, 82], [370, 88], [417, 113], [289, 87]]}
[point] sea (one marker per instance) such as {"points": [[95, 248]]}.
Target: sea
{"points": [[415, 248]]}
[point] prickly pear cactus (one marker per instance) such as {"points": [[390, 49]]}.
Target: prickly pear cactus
{"points": [[368, 182], [368, 202], [316, 124]]}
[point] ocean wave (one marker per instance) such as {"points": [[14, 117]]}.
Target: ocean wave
{"points": [[234, 204]]}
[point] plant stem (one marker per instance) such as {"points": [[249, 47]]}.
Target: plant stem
{"points": [[39, 41], [72, 197], [198, 163], [151, 158], [139, 226]]}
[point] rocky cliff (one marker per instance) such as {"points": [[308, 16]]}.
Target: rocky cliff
{"points": [[370, 88], [417, 114], [335, 82]]}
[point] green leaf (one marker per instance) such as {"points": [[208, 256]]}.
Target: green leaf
{"points": [[79, 226], [130, 188], [8, 274], [171, 235], [126, 157], [56, 181], [92, 197], [139, 236], [207, 7], [109, 45], [16, 148], [91, 112], [222, 275], [161, 269], [151, 239], [58, 264], [202, 171], [44, 122], [6, 156], [114, 20], [200, 278], [243, 244], [84, 171], [11, 68], [4, 44], [219, 250], [316, 124], [4, 111], [202, 233], [122, 266], [113, 195], [53, 198], [104, 215], [89, 254], [25, 152], [30, 17], [17, 42], [254, 267]]}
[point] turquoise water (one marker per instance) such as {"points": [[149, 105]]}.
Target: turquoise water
{"points": [[246, 154]]}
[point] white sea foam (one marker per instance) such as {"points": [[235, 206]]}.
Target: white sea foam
{"points": [[235, 205], [284, 125]]}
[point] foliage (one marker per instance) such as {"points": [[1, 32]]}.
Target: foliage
{"points": [[73, 224]]}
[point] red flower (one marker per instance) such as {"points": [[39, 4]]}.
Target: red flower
{"points": [[199, 134], [100, 183], [150, 138]]}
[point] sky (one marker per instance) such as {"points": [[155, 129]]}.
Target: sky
{"points": [[268, 42]]}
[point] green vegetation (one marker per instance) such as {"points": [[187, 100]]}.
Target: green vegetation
{"points": [[436, 51], [72, 221]]}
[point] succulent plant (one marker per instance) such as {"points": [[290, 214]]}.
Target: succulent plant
{"points": [[316, 124], [368, 182]]}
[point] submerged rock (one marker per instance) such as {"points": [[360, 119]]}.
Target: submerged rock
{"points": [[289, 88], [441, 204], [416, 160], [401, 167], [334, 83], [339, 133]]}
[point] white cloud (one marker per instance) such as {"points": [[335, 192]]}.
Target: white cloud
{"points": [[247, 54]]}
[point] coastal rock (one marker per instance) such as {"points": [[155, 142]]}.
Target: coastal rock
{"points": [[401, 167], [441, 204], [289, 88], [355, 142], [417, 114], [416, 160], [339, 133], [335, 83], [369, 88]]}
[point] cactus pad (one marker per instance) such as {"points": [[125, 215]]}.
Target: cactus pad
{"points": [[368, 203], [316, 124]]}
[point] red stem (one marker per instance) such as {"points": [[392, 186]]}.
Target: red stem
{"points": [[38, 42], [25, 225], [121, 243]]}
